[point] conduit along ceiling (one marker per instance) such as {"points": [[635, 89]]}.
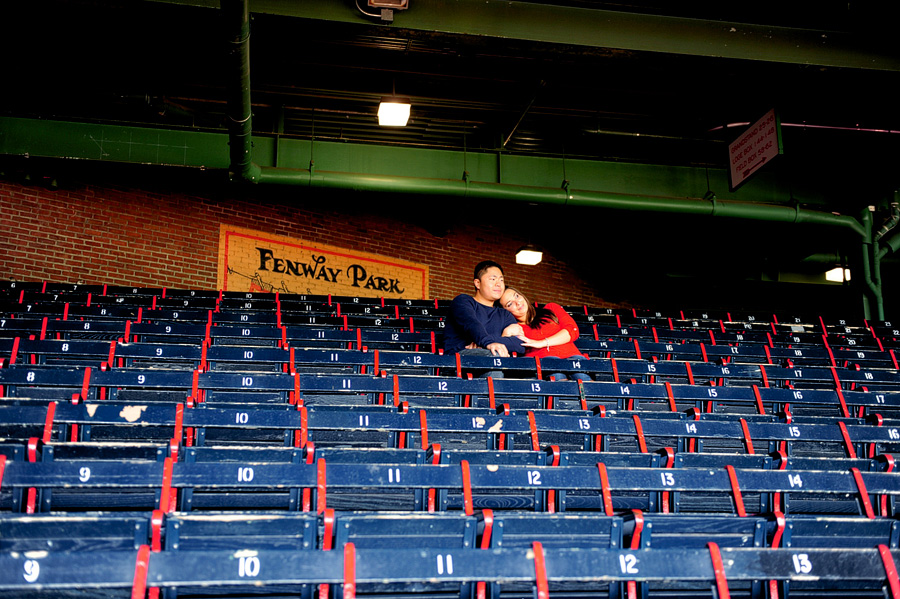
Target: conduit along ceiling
{"points": [[640, 81]]}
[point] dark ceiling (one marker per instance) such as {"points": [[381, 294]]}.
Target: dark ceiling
{"points": [[161, 63]]}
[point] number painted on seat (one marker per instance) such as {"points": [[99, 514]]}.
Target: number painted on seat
{"points": [[534, 477], [32, 570], [628, 564], [245, 475], [668, 479], [441, 561], [802, 565], [248, 567], [84, 474]]}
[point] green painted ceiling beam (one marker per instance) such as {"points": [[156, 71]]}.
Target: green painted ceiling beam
{"points": [[432, 172], [112, 143], [548, 23]]}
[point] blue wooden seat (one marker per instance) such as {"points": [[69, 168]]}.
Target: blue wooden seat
{"points": [[73, 533]]}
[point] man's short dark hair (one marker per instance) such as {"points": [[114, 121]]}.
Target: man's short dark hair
{"points": [[484, 265]]}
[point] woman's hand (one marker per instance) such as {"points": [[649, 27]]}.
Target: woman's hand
{"points": [[538, 343], [513, 330]]}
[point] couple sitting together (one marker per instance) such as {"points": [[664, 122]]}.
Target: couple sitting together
{"points": [[499, 320]]}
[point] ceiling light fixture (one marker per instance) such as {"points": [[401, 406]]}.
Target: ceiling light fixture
{"points": [[529, 255], [838, 275], [393, 111]]}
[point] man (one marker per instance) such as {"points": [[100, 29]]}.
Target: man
{"points": [[475, 325]]}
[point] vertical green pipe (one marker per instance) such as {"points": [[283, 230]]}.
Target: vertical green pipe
{"points": [[870, 266], [236, 17], [876, 279]]}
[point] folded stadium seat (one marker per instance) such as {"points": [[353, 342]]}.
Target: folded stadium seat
{"points": [[99, 531], [386, 531], [522, 530], [242, 534], [669, 531]]}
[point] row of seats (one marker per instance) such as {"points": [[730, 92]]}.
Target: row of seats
{"points": [[341, 337], [151, 385], [263, 308], [433, 319], [43, 292]]}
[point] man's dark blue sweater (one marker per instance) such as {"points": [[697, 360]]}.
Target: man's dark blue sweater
{"points": [[471, 322]]}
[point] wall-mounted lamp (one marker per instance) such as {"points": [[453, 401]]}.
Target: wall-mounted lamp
{"points": [[529, 255], [838, 275], [393, 111]]}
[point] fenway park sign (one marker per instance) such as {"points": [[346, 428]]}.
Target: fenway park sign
{"points": [[256, 261]]}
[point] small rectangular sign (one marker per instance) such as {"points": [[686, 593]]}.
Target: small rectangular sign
{"points": [[755, 148]]}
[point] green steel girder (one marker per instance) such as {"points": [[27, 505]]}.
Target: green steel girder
{"points": [[112, 143], [490, 175], [549, 23]]}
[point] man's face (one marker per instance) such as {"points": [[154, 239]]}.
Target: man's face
{"points": [[490, 286]]}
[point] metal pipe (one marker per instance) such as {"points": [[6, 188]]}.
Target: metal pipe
{"points": [[236, 16], [597, 199], [891, 222], [871, 288]]}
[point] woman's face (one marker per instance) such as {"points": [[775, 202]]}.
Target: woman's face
{"points": [[515, 303]]}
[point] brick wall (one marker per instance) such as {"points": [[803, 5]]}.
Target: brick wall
{"points": [[152, 235]]}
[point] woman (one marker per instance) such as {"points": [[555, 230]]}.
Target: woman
{"points": [[546, 332]]}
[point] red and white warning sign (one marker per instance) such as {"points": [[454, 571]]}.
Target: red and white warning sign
{"points": [[755, 148]]}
